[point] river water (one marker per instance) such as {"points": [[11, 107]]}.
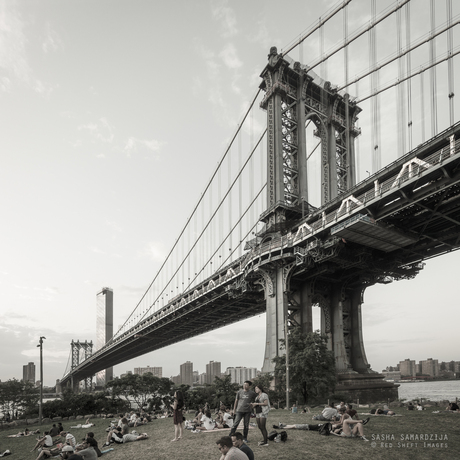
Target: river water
{"points": [[434, 391]]}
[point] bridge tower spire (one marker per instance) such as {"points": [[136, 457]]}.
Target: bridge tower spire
{"points": [[293, 97]]}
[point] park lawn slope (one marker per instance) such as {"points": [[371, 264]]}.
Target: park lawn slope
{"points": [[389, 438]]}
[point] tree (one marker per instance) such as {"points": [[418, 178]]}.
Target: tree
{"points": [[225, 391], [199, 396], [311, 365], [17, 396], [144, 390]]}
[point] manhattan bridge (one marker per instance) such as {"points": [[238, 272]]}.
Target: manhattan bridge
{"points": [[255, 243]]}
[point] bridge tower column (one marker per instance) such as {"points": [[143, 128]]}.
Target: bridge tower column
{"points": [[286, 187], [275, 298]]}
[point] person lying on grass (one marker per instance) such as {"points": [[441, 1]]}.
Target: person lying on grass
{"points": [[119, 438], [86, 425], [131, 437], [26, 432]]}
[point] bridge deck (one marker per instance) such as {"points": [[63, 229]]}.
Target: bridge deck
{"points": [[382, 228]]}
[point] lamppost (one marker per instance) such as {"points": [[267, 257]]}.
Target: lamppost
{"points": [[40, 408]]}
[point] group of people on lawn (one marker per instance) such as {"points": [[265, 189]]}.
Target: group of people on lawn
{"points": [[56, 441], [246, 401]]}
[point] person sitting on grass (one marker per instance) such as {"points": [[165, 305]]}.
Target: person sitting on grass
{"points": [[207, 423], [353, 429], [350, 411], [220, 420], [453, 407], [238, 441], [87, 449], [343, 416], [54, 431], [90, 434], [115, 435], [65, 451], [69, 438], [329, 413], [227, 419], [45, 441], [228, 450], [198, 416]]}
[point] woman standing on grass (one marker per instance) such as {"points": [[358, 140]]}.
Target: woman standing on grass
{"points": [[262, 407], [177, 415]]}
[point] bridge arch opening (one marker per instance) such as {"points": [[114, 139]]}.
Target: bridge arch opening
{"points": [[313, 128]]}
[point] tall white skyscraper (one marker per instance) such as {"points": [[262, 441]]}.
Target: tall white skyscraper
{"points": [[104, 329], [241, 374]]}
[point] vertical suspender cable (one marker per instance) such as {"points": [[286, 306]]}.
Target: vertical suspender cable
{"points": [[321, 44], [357, 144], [422, 105], [375, 137], [240, 193], [434, 115], [450, 64], [401, 128], [408, 81], [345, 40], [221, 217], [211, 234], [251, 169], [262, 173], [301, 51], [229, 205]]}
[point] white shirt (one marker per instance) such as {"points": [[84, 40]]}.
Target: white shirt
{"points": [[207, 422], [70, 439], [228, 420]]}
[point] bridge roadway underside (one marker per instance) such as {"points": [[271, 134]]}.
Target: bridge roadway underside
{"points": [[219, 308], [396, 219]]}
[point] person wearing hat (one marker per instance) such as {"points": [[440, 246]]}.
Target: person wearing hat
{"points": [[47, 453], [66, 452]]}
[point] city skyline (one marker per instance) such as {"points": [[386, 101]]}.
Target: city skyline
{"points": [[103, 159]]}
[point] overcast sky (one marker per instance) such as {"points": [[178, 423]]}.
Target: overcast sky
{"points": [[113, 113]]}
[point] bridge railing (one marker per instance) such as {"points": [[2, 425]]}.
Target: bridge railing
{"points": [[411, 169]]}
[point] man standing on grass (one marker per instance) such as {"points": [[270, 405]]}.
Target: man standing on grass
{"points": [[242, 409], [228, 451]]}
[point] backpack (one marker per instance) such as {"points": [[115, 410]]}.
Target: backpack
{"points": [[284, 436], [272, 435], [325, 429]]}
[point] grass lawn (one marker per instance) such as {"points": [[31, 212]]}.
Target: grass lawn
{"points": [[386, 440]]}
